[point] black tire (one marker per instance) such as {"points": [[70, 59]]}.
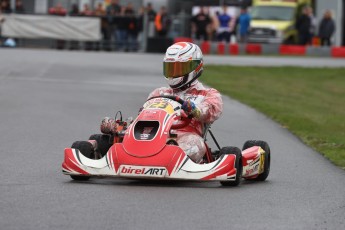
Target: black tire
{"points": [[238, 164], [103, 143], [87, 150], [267, 161]]}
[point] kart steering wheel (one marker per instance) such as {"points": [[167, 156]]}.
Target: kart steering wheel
{"points": [[184, 118]]}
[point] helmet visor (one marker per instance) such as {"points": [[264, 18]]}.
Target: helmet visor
{"points": [[179, 69]]}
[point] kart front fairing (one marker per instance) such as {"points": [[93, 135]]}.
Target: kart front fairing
{"points": [[146, 153]]}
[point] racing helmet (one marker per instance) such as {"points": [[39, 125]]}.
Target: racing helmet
{"points": [[182, 64]]}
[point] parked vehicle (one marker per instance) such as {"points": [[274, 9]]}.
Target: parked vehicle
{"points": [[273, 21]]}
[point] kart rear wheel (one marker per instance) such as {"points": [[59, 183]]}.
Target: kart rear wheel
{"points": [[267, 161], [103, 143], [86, 149], [238, 164]]}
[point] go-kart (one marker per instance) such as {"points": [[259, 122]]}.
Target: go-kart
{"points": [[146, 148]]}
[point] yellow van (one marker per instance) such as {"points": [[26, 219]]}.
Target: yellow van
{"points": [[273, 21]]}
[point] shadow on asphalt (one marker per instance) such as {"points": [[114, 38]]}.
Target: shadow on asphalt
{"points": [[166, 183]]}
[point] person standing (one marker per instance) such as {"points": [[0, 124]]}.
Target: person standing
{"points": [[151, 14], [5, 7], [60, 11], [305, 26], [132, 29], [313, 25], [113, 12], [200, 23], [86, 10], [19, 7], [224, 31], [74, 44], [74, 10], [244, 23], [162, 22], [101, 13], [114, 8], [326, 28]]}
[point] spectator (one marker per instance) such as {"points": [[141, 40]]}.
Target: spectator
{"points": [[74, 45], [151, 13], [304, 26], [86, 11], [114, 8], [58, 10], [19, 7], [244, 23], [326, 28], [132, 29], [100, 12], [122, 28], [313, 25], [113, 11], [200, 23], [214, 26], [162, 22], [224, 31], [129, 10], [5, 7], [140, 24], [74, 11]]}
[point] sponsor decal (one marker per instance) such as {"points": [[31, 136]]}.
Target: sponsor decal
{"points": [[252, 171], [146, 133], [127, 170], [254, 162]]}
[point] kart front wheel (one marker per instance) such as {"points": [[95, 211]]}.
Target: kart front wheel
{"points": [[267, 160], [103, 143], [238, 164], [86, 149]]}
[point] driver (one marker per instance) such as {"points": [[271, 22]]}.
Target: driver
{"points": [[182, 66]]}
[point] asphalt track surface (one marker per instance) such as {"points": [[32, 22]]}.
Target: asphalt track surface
{"points": [[49, 99]]}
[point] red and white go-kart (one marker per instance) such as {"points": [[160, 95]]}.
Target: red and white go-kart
{"points": [[147, 149]]}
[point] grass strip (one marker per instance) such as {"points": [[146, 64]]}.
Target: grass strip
{"points": [[310, 102]]}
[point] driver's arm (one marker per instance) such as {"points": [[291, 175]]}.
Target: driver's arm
{"points": [[211, 107]]}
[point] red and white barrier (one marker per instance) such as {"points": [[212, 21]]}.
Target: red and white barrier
{"points": [[222, 48], [338, 52]]}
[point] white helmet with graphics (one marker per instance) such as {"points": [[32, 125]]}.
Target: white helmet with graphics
{"points": [[182, 64]]}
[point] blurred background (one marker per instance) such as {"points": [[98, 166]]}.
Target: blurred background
{"points": [[152, 25]]}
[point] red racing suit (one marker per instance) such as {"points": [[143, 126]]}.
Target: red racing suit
{"points": [[210, 104]]}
